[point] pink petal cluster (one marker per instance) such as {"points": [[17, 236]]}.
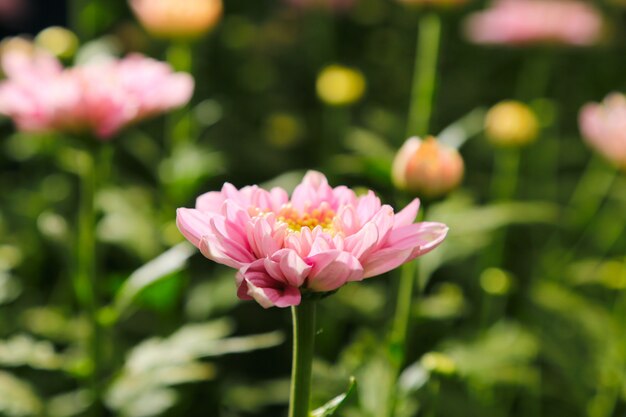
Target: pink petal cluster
{"points": [[98, 98], [315, 241], [522, 22], [603, 125]]}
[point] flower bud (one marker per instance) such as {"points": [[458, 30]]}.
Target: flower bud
{"points": [[176, 18], [340, 86], [59, 41], [427, 167], [511, 123], [603, 126]]}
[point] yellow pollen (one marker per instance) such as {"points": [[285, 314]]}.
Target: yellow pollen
{"points": [[322, 216]]}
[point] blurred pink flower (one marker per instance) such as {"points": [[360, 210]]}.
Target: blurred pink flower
{"points": [[603, 125], [177, 18], [316, 241], [522, 22], [99, 98], [335, 5]]}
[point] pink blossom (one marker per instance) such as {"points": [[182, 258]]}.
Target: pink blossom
{"points": [[522, 22], [316, 241], [100, 98], [603, 125]]}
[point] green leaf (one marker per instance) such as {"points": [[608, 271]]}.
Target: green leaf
{"points": [[173, 260], [23, 350], [17, 398], [463, 129], [333, 405], [157, 364]]}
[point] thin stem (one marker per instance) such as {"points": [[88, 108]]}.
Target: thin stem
{"points": [[179, 122], [85, 280], [408, 276], [303, 347], [505, 175], [425, 74], [504, 184], [590, 192]]}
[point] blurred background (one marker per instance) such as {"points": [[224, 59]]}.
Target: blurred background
{"points": [[520, 313]]}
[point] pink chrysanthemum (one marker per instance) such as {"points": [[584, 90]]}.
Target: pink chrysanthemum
{"points": [[317, 241], [99, 98], [603, 125], [522, 22]]}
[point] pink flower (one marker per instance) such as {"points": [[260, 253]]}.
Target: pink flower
{"points": [[316, 241], [99, 98], [522, 22], [603, 125]]}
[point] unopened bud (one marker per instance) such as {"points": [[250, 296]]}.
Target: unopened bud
{"points": [[340, 86], [59, 41], [177, 19], [427, 167], [511, 123]]}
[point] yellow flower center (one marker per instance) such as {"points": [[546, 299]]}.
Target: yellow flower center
{"points": [[322, 216]]}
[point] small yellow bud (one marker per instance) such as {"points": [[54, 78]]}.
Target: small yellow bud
{"points": [[496, 282], [427, 167], [340, 86], [511, 123], [59, 41]]}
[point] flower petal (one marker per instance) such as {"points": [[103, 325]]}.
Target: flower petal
{"points": [[333, 269], [193, 224]]}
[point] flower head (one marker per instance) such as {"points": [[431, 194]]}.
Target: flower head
{"points": [[99, 98], [316, 241], [176, 18], [603, 125], [427, 167], [522, 22], [511, 123]]}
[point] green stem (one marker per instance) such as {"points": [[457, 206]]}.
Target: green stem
{"points": [[591, 190], [85, 279], [303, 347], [179, 122], [408, 276], [425, 74], [505, 174], [504, 184]]}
